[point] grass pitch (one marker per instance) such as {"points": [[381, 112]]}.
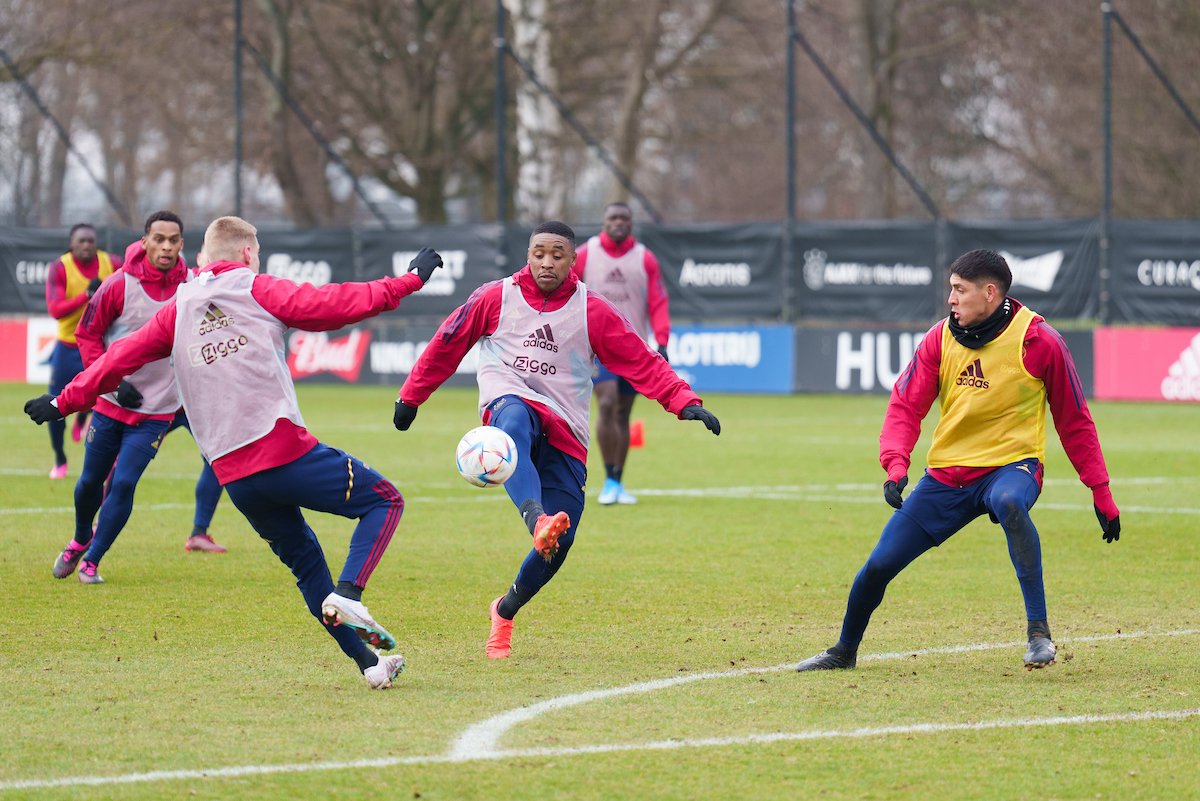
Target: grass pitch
{"points": [[736, 562]]}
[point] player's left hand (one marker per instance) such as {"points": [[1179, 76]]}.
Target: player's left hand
{"points": [[698, 412], [893, 492], [1110, 527], [128, 396], [426, 261], [662, 351], [41, 410], [404, 416], [1107, 512]]}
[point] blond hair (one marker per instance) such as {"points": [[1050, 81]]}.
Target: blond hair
{"points": [[226, 237]]}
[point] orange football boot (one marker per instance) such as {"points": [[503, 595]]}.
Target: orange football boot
{"points": [[499, 644], [546, 532]]}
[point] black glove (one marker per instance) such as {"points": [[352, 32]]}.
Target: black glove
{"points": [[93, 285], [405, 414], [1111, 528], [426, 261], [892, 490], [128, 396], [41, 410], [698, 412], [662, 351]]}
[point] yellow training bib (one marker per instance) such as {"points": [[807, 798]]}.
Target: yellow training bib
{"points": [[77, 283], [993, 410]]}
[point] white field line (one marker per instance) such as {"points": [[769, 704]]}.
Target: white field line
{"points": [[471, 746], [482, 739]]}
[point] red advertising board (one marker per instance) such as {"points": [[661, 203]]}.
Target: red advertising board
{"points": [[12, 350], [1147, 364]]}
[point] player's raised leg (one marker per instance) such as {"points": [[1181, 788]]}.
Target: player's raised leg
{"points": [[327, 479]]}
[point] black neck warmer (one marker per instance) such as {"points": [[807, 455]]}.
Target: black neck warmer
{"points": [[978, 335]]}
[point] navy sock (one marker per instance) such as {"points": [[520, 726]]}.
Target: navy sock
{"points": [[366, 659], [530, 511], [348, 589], [516, 597], [198, 531]]}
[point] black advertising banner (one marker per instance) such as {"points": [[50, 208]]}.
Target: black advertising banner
{"points": [[1156, 272], [857, 361], [25, 258], [719, 271], [1054, 262], [316, 256], [468, 257], [865, 271]]}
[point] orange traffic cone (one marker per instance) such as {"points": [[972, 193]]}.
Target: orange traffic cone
{"points": [[637, 434]]}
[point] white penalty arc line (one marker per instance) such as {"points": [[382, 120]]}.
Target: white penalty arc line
{"points": [[478, 741]]}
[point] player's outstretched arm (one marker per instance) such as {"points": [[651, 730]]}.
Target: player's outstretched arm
{"points": [[698, 412], [335, 306]]}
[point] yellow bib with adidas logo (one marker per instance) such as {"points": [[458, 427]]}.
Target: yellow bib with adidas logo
{"points": [[993, 410], [77, 283]]}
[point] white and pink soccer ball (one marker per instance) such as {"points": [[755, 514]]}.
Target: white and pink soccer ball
{"points": [[486, 456]]}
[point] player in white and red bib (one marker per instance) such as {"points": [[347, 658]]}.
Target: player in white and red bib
{"points": [[539, 333], [129, 425], [224, 334], [626, 273]]}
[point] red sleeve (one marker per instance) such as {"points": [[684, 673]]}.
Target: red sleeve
{"points": [[657, 304], [57, 302], [580, 263], [1047, 358], [151, 342], [105, 306], [621, 350], [912, 396], [470, 322], [332, 306]]}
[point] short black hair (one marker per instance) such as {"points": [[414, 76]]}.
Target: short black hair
{"points": [[620, 203], [163, 216], [77, 226], [557, 228], [981, 266]]}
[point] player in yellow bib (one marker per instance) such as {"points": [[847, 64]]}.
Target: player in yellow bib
{"points": [[996, 365], [71, 280]]}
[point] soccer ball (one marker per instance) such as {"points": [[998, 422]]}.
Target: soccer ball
{"points": [[486, 456]]}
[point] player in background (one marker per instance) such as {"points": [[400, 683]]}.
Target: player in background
{"points": [[225, 334], [996, 365], [71, 281], [625, 272], [128, 425], [535, 378]]}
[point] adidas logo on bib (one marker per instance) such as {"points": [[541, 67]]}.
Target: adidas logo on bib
{"points": [[541, 338], [214, 319], [972, 376]]}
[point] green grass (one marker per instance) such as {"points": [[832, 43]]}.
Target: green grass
{"points": [[193, 662]]}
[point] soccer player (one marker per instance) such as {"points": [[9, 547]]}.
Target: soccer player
{"points": [[625, 272], [128, 426], [996, 365], [535, 378], [225, 335], [72, 280]]}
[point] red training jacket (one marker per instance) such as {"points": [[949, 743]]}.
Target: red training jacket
{"points": [[1047, 358], [615, 343], [302, 306], [657, 304]]}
